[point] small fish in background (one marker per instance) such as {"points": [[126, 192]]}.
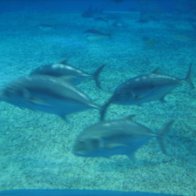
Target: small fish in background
{"points": [[151, 42], [144, 88], [101, 18], [146, 17], [68, 73], [46, 27], [111, 21], [91, 12], [116, 137], [46, 94], [95, 34]]}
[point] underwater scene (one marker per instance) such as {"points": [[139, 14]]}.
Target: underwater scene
{"points": [[98, 97]]}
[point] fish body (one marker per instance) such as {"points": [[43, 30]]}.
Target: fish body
{"points": [[67, 72], [142, 89], [46, 94], [109, 138]]}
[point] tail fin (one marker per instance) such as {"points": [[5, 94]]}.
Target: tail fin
{"points": [[163, 132], [188, 77], [64, 62], [104, 110], [96, 75]]}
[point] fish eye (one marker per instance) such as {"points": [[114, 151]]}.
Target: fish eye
{"points": [[95, 143]]}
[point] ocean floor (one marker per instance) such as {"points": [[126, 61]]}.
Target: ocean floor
{"points": [[36, 148]]}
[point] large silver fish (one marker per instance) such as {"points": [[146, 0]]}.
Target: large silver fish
{"points": [[123, 136], [47, 94], [69, 73], [144, 88]]}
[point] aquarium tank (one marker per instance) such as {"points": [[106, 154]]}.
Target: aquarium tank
{"points": [[97, 97]]}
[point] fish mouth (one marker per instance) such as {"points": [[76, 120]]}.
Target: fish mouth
{"points": [[79, 153]]}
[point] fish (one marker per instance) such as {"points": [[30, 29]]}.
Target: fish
{"points": [[117, 137], [144, 88], [90, 12], [69, 73], [95, 34], [46, 94]]}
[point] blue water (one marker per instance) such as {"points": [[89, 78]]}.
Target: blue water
{"points": [[74, 193], [78, 5], [134, 38]]}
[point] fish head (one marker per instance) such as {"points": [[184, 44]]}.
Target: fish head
{"points": [[87, 147], [11, 92], [16, 95], [124, 96]]}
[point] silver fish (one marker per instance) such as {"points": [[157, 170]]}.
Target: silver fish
{"points": [[144, 88], [123, 137], [95, 34], [47, 94], [69, 73]]}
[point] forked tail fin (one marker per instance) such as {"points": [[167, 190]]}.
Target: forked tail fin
{"points": [[162, 133], [104, 110], [96, 75], [188, 78]]}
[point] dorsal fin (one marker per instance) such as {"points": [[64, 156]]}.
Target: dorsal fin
{"points": [[64, 62], [188, 78], [130, 117], [156, 70]]}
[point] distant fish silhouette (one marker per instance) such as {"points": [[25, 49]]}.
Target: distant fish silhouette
{"points": [[47, 94], [123, 137], [144, 88], [90, 12], [68, 73], [102, 18], [95, 34]]}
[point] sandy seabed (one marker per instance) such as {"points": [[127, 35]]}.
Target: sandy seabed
{"points": [[36, 148]]}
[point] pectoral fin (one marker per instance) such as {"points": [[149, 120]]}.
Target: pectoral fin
{"points": [[64, 117], [130, 117], [37, 101], [162, 99], [115, 145]]}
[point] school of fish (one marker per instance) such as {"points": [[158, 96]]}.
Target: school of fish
{"points": [[53, 89]]}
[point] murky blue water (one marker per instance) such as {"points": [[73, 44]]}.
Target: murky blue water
{"points": [[131, 38]]}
